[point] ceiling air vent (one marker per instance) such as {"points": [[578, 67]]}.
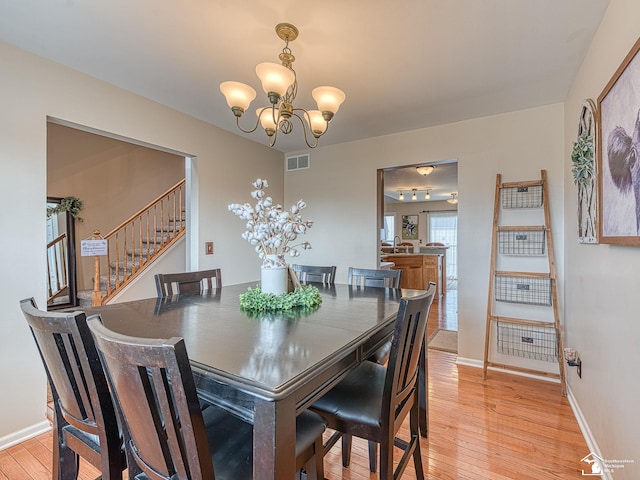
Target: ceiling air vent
{"points": [[298, 162]]}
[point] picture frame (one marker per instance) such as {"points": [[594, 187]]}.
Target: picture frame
{"points": [[410, 227], [619, 142], [584, 169]]}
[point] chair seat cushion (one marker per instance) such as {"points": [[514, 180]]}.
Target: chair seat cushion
{"points": [[231, 441], [356, 400], [381, 355], [309, 426]]}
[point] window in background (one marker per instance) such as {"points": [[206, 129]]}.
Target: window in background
{"points": [[443, 228], [389, 227]]}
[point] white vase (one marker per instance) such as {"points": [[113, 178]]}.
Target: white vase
{"points": [[273, 274]]}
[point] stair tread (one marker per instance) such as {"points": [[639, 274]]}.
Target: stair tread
{"points": [[141, 252]]}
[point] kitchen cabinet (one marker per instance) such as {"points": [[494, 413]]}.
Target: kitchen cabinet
{"points": [[418, 270]]}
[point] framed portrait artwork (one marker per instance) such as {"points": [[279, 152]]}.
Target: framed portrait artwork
{"points": [[619, 154], [410, 227]]}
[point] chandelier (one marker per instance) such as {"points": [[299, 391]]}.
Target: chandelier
{"points": [[280, 84], [454, 198]]}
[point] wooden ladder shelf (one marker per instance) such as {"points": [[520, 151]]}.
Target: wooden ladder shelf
{"points": [[530, 293]]}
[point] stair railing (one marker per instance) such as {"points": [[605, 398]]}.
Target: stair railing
{"points": [[56, 266], [134, 244]]}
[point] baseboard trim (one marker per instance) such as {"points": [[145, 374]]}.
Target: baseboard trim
{"points": [[472, 362], [24, 434], [586, 431]]}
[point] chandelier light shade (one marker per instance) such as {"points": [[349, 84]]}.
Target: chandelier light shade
{"points": [[266, 120], [414, 197], [238, 95], [316, 122], [427, 196], [454, 199], [280, 85], [276, 79], [425, 169], [328, 99], [401, 197]]}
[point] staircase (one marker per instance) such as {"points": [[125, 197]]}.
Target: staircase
{"points": [[136, 243]]}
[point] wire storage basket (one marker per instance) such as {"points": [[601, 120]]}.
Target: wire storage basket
{"points": [[523, 288], [521, 240], [528, 341], [522, 196]]}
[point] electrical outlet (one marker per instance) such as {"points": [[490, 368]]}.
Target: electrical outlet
{"points": [[208, 248]]}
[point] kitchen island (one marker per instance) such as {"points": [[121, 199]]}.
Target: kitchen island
{"points": [[418, 269]]}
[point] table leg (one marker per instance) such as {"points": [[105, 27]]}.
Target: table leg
{"points": [[274, 440]]}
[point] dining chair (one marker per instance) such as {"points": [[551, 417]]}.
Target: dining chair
{"points": [[372, 401], [85, 422], [167, 434], [366, 277], [312, 273], [168, 284]]}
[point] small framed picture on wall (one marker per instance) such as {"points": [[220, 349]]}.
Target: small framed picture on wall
{"points": [[410, 227]]}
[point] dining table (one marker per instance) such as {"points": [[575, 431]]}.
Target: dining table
{"points": [[267, 367]]}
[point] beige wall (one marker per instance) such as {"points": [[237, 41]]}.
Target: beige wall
{"points": [[114, 179], [222, 168], [602, 320], [340, 190]]}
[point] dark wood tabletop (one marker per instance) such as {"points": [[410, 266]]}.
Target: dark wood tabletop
{"points": [[269, 366]]}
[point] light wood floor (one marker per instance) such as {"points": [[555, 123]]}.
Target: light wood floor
{"points": [[506, 427]]}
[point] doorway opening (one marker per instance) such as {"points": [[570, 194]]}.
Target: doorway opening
{"points": [[405, 193], [114, 177]]}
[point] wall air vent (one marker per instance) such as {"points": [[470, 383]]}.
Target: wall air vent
{"points": [[298, 162]]}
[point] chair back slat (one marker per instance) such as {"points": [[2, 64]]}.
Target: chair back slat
{"points": [[406, 348], [155, 390], [365, 277], [76, 374], [168, 284], [317, 274]]}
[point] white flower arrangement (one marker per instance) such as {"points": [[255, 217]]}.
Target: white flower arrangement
{"points": [[270, 227]]}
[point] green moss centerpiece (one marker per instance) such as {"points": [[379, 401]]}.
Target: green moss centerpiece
{"points": [[255, 300]]}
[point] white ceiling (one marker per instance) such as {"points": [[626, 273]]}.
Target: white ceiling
{"points": [[440, 183], [403, 65]]}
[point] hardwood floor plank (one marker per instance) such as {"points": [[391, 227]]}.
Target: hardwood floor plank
{"points": [[28, 462], [11, 468], [41, 452]]}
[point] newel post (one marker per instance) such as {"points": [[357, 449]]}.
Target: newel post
{"points": [[96, 297]]}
